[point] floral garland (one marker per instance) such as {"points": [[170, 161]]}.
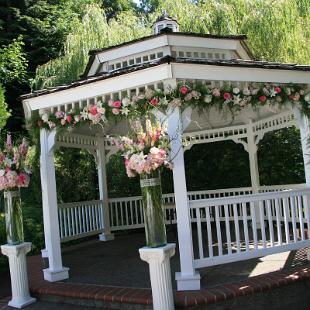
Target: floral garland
{"points": [[198, 96]]}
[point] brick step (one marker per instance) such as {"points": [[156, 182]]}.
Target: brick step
{"points": [[254, 293]]}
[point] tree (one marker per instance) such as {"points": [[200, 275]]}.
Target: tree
{"points": [[4, 113], [85, 37]]}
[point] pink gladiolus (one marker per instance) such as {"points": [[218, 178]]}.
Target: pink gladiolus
{"points": [[93, 110], [117, 104], [184, 90], [9, 144], [115, 111], [227, 96]]}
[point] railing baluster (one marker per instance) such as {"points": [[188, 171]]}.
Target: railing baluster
{"points": [[87, 218], [218, 230], [80, 220], [237, 229], [126, 212], [293, 212], [262, 222], [116, 213], [254, 228], [307, 213], [245, 226], [65, 221], [60, 222], [83, 219], [301, 218], [199, 234], [278, 218], [131, 214], [286, 214], [76, 221], [270, 222], [228, 237], [209, 231]]}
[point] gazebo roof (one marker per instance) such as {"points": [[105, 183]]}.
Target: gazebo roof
{"points": [[169, 59]]}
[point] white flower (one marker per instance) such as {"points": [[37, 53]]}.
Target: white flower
{"points": [[237, 100], [208, 98], [125, 102], [246, 92], [236, 90], [273, 93], [101, 110], [2, 173], [125, 111], [84, 114], [44, 117], [307, 97], [163, 101]]}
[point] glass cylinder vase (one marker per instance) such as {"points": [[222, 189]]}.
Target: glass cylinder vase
{"points": [[153, 211], [13, 217]]}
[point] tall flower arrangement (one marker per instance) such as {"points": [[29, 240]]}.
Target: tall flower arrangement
{"points": [[14, 171], [146, 149]]}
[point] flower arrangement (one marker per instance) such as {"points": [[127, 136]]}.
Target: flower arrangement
{"points": [[146, 150], [14, 172], [200, 96]]}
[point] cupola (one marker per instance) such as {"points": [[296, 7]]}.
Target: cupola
{"points": [[165, 21]]}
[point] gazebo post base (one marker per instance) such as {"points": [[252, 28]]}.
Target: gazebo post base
{"points": [[18, 271], [106, 237], [160, 274], [56, 275], [188, 283]]}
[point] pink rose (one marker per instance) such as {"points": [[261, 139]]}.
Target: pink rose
{"points": [[115, 111], [184, 90], [277, 89], [227, 96], [69, 118], [262, 99], [93, 110], [154, 102], [126, 162], [216, 92], [117, 104]]}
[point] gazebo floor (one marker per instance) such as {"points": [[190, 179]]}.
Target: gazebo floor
{"points": [[117, 263], [111, 275]]}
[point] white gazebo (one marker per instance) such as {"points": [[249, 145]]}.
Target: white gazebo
{"points": [[247, 222]]}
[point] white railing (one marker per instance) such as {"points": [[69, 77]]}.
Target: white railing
{"points": [[127, 213], [79, 219], [250, 226]]}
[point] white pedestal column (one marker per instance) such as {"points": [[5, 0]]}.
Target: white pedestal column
{"points": [[18, 271], [106, 235], [160, 274], [56, 271]]}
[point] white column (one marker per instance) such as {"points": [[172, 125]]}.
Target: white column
{"points": [[188, 278], [304, 127], [160, 275], [56, 271], [103, 191], [252, 150], [18, 272]]}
